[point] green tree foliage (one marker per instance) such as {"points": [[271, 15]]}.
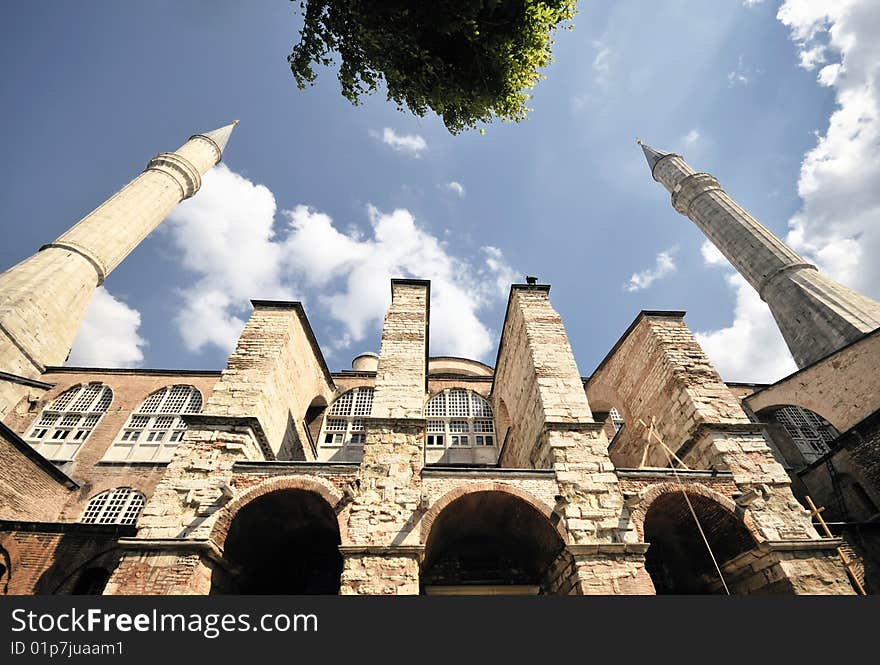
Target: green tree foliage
{"points": [[468, 60]]}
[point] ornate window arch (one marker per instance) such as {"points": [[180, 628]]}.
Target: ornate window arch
{"points": [[459, 418], [65, 424], [121, 505], [343, 425], [154, 430]]}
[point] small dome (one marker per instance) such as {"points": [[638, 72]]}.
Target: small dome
{"points": [[366, 362]]}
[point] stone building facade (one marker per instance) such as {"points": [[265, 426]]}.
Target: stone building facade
{"points": [[408, 473]]}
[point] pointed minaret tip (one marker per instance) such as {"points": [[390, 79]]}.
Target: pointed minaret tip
{"points": [[653, 156], [221, 135]]}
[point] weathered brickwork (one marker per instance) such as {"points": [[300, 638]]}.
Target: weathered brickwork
{"points": [[130, 389], [51, 558], [28, 489], [536, 380], [842, 388], [658, 371], [403, 359], [395, 521], [275, 373]]}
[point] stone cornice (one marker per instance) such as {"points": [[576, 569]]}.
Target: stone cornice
{"points": [[213, 421], [296, 467], [772, 277], [704, 429], [212, 143], [69, 527], [691, 188], [492, 472], [393, 550], [76, 248], [25, 381], [205, 547], [382, 421], [560, 426], [613, 549], [180, 170]]}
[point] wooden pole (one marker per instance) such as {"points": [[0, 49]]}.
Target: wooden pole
{"points": [[817, 513]]}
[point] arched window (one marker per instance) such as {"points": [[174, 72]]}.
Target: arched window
{"points": [[117, 506], [810, 433], [616, 419], [459, 418], [343, 426], [66, 423], [154, 430]]}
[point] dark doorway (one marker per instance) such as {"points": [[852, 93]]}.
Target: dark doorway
{"points": [[677, 559], [91, 582], [489, 543], [286, 542]]}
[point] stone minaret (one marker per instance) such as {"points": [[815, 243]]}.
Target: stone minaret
{"points": [[815, 314], [43, 298]]}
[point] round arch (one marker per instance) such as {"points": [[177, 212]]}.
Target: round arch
{"points": [[488, 541], [320, 486], [654, 492], [677, 559], [281, 537], [454, 494]]}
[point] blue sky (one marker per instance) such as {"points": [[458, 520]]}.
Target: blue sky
{"points": [[93, 90]]}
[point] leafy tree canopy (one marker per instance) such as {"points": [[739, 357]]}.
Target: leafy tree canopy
{"points": [[468, 60]]}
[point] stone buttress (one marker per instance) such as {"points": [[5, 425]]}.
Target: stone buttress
{"points": [[383, 551], [253, 414], [537, 382], [658, 372]]}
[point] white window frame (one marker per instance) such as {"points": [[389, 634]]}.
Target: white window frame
{"points": [[151, 433], [121, 505], [66, 424], [343, 423], [458, 419]]}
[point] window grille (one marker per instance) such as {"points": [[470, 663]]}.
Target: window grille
{"points": [[459, 418], [344, 425], [810, 433], [65, 424], [153, 432], [117, 506]]}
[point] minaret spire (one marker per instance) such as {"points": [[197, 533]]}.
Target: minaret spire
{"points": [[652, 155], [43, 298], [815, 314]]}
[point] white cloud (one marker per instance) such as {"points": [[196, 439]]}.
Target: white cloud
{"points": [[837, 225], [345, 273], [691, 137], [663, 265], [455, 187], [751, 348], [752, 3], [712, 256], [740, 75], [409, 144], [108, 336], [601, 63]]}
